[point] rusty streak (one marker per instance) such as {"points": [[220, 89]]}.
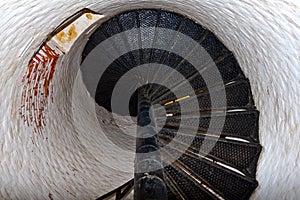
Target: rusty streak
{"points": [[35, 92]]}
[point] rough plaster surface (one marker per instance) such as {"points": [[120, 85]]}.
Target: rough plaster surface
{"points": [[58, 164]]}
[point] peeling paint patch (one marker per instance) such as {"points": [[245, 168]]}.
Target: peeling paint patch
{"points": [[35, 91], [89, 16], [67, 37]]}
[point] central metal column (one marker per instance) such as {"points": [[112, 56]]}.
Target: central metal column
{"points": [[148, 177]]}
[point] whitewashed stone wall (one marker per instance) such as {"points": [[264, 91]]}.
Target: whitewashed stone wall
{"points": [[58, 163]]}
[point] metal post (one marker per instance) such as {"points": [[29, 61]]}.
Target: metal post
{"points": [[148, 177]]}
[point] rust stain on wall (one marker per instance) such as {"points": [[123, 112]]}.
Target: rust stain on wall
{"points": [[35, 92], [36, 82]]}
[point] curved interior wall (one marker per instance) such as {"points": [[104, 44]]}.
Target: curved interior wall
{"points": [[264, 36]]}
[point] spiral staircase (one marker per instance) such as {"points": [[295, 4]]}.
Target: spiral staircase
{"points": [[225, 171]]}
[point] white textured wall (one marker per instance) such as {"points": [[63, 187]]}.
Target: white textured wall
{"points": [[264, 36]]}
